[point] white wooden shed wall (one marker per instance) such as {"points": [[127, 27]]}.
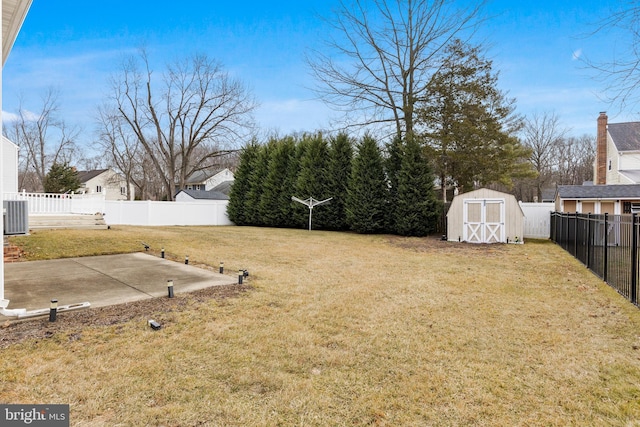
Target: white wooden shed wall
{"points": [[485, 216]]}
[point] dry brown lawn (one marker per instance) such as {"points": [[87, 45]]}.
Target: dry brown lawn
{"points": [[337, 329]]}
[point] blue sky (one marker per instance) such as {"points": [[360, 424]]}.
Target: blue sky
{"points": [[74, 46]]}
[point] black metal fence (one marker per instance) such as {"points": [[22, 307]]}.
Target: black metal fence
{"points": [[606, 244]]}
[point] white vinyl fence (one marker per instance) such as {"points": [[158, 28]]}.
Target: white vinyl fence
{"points": [[211, 212], [537, 219], [122, 212], [52, 204]]}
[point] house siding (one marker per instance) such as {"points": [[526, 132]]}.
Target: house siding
{"points": [[219, 178], [9, 166], [612, 164], [629, 161], [110, 183]]}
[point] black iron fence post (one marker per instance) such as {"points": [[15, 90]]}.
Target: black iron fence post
{"points": [[588, 263], [605, 232], [565, 235], [605, 247], [575, 236], [634, 259]]}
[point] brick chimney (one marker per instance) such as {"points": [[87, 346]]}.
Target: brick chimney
{"points": [[601, 150]]}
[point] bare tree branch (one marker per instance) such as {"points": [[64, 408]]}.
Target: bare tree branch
{"points": [[44, 139], [544, 136], [196, 114], [621, 73], [384, 55]]}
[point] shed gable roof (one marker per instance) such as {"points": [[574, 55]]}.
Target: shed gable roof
{"points": [[619, 191], [486, 193], [625, 136]]}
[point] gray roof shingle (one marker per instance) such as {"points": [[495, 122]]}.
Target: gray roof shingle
{"points": [[206, 195], [631, 191], [199, 177], [224, 187], [626, 136], [85, 176]]}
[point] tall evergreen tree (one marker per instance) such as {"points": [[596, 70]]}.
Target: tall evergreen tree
{"points": [[417, 208], [470, 124], [275, 201], [313, 179], [293, 169], [61, 178], [340, 158], [393, 164], [257, 178], [367, 200], [238, 207]]}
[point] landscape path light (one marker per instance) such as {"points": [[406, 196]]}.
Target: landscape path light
{"points": [[170, 288], [53, 310]]}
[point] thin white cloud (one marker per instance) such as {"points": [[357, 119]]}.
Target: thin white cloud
{"points": [[29, 116], [9, 117], [576, 54]]}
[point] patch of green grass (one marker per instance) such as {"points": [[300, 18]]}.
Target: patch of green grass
{"points": [[345, 329]]}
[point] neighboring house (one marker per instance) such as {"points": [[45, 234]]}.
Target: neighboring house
{"points": [[599, 199], [617, 153], [616, 186], [106, 181], [9, 166], [199, 195], [207, 180]]}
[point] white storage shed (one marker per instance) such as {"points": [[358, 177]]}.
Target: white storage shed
{"points": [[485, 216]]}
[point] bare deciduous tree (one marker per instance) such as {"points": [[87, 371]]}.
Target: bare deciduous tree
{"points": [[120, 147], [575, 157], [384, 55], [195, 113], [558, 159], [543, 134], [44, 140], [621, 73]]}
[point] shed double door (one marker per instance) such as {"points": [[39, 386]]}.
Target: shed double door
{"points": [[484, 220]]}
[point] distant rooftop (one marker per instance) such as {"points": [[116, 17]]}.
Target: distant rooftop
{"points": [[631, 191], [206, 195], [85, 176]]}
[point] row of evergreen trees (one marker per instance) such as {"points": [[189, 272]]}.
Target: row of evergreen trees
{"points": [[372, 191]]}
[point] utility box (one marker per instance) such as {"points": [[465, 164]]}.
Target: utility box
{"points": [[15, 217]]}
